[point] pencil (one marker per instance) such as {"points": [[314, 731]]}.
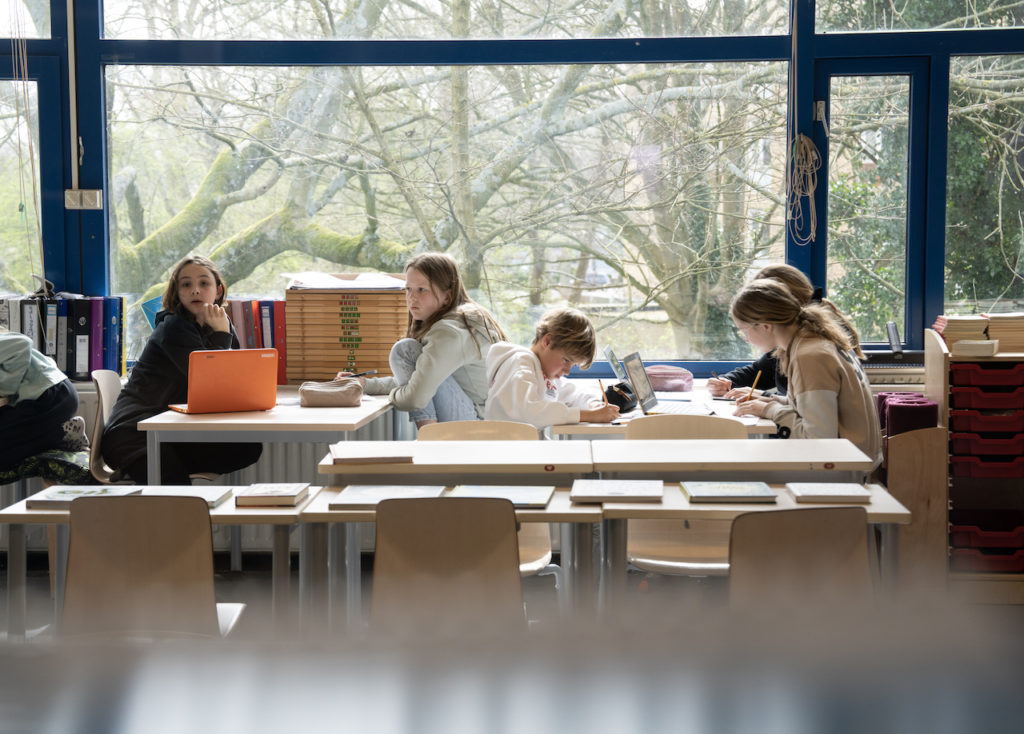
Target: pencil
{"points": [[603, 395], [751, 393]]}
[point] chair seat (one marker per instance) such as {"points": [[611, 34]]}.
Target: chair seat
{"points": [[534, 548], [697, 547]]}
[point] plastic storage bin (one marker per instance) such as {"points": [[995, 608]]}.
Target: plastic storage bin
{"points": [[972, 443], [971, 559], [974, 397], [994, 374], [976, 422], [971, 536], [974, 466]]}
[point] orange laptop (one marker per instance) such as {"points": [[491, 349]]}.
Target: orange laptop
{"points": [[230, 380]]}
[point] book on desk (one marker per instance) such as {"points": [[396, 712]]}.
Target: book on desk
{"points": [[829, 492], [214, 494], [367, 496], [372, 452], [617, 490], [60, 497], [754, 492], [272, 495], [524, 496]]}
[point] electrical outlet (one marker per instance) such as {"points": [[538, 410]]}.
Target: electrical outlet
{"points": [[72, 199]]}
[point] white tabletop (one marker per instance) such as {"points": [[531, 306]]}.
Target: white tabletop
{"points": [[534, 458], [288, 417], [716, 455], [675, 505]]}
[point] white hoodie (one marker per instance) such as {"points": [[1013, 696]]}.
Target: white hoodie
{"points": [[518, 390]]}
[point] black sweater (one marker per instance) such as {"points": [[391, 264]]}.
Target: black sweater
{"points": [[770, 377], [160, 376]]}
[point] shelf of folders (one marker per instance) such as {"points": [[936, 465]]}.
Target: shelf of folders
{"points": [[346, 322]]}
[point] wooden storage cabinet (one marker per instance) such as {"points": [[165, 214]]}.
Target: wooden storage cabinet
{"points": [[981, 403]]}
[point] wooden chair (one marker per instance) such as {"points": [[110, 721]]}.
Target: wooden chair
{"points": [[142, 566], [681, 547], [534, 537], [447, 564], [803, 558], [108, 387]]}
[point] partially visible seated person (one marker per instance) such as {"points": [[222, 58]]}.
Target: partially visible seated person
{"points": [[37, 402], [527, 384]]}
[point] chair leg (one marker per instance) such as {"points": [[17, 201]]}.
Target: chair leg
{"points": [[553, 569]]}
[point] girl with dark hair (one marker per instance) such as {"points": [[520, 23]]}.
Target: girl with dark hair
{"points": [[192, 318]]}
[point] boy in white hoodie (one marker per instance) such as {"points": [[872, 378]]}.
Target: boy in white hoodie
{"points": [[526, 385]]}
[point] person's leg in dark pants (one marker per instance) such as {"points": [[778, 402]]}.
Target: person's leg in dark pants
{"points": [[32, 426]]}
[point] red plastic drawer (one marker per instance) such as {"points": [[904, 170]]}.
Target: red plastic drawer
{"points": [[972, 420], [972, 443], [974, 397], [971, 559], [975, 374], [973, 466], [971, 536]]}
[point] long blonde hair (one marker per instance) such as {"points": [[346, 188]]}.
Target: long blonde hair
{"points": [[442, 272], [801, 287], [768, 301]]}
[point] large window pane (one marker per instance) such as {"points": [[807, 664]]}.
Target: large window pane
{"points": [[642, 194], [19, 188], [867, 200], [885, 15], [985, 186], [272, 19], [25, 19]]}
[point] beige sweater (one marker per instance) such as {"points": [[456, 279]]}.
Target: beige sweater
{"points": [[829, 397]]}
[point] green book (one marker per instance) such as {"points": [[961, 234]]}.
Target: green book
{"points": [[742, 492]]}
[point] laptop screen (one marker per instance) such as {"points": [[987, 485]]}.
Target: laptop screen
{"points": [[620, 374], [641, 384]]}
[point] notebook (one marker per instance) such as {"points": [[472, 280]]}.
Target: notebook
{"points": [[645, 396], [829, 492], [366, 496], [617, 490], [728, 492], [520, 496], [230, 381]]}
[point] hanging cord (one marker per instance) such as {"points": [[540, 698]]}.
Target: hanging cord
{"points": [[802, 163], [23, 113]]}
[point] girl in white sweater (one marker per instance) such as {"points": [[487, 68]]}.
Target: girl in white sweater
{"points": [[439, 367]]}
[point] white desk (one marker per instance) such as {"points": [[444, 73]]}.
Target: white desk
{"points": [[883, 511], [16, 516], [329, 562], [794, 460], [471, 462], [283, 423]]}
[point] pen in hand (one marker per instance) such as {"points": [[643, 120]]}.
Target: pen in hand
{"points": [[751, 393], [363, 374], [604, 396]]}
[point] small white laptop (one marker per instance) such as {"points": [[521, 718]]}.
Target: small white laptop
{"points": [[648, 401]]}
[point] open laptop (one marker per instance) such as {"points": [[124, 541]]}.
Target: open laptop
{"points": [[620, 374], [230, 380], [644, 391]]}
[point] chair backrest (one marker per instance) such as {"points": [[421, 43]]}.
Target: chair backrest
{"points": [[685, 426], [477, 431], [799, 559], [447, 564], [108, 387], [140, 565]]}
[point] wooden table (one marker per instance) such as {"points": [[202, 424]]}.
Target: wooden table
{"points": [[285, 422], [17, 516], [329, 561]]}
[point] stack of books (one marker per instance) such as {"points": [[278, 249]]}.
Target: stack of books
{"points": [[343, 323], [1008, 328], [957, 328]]}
